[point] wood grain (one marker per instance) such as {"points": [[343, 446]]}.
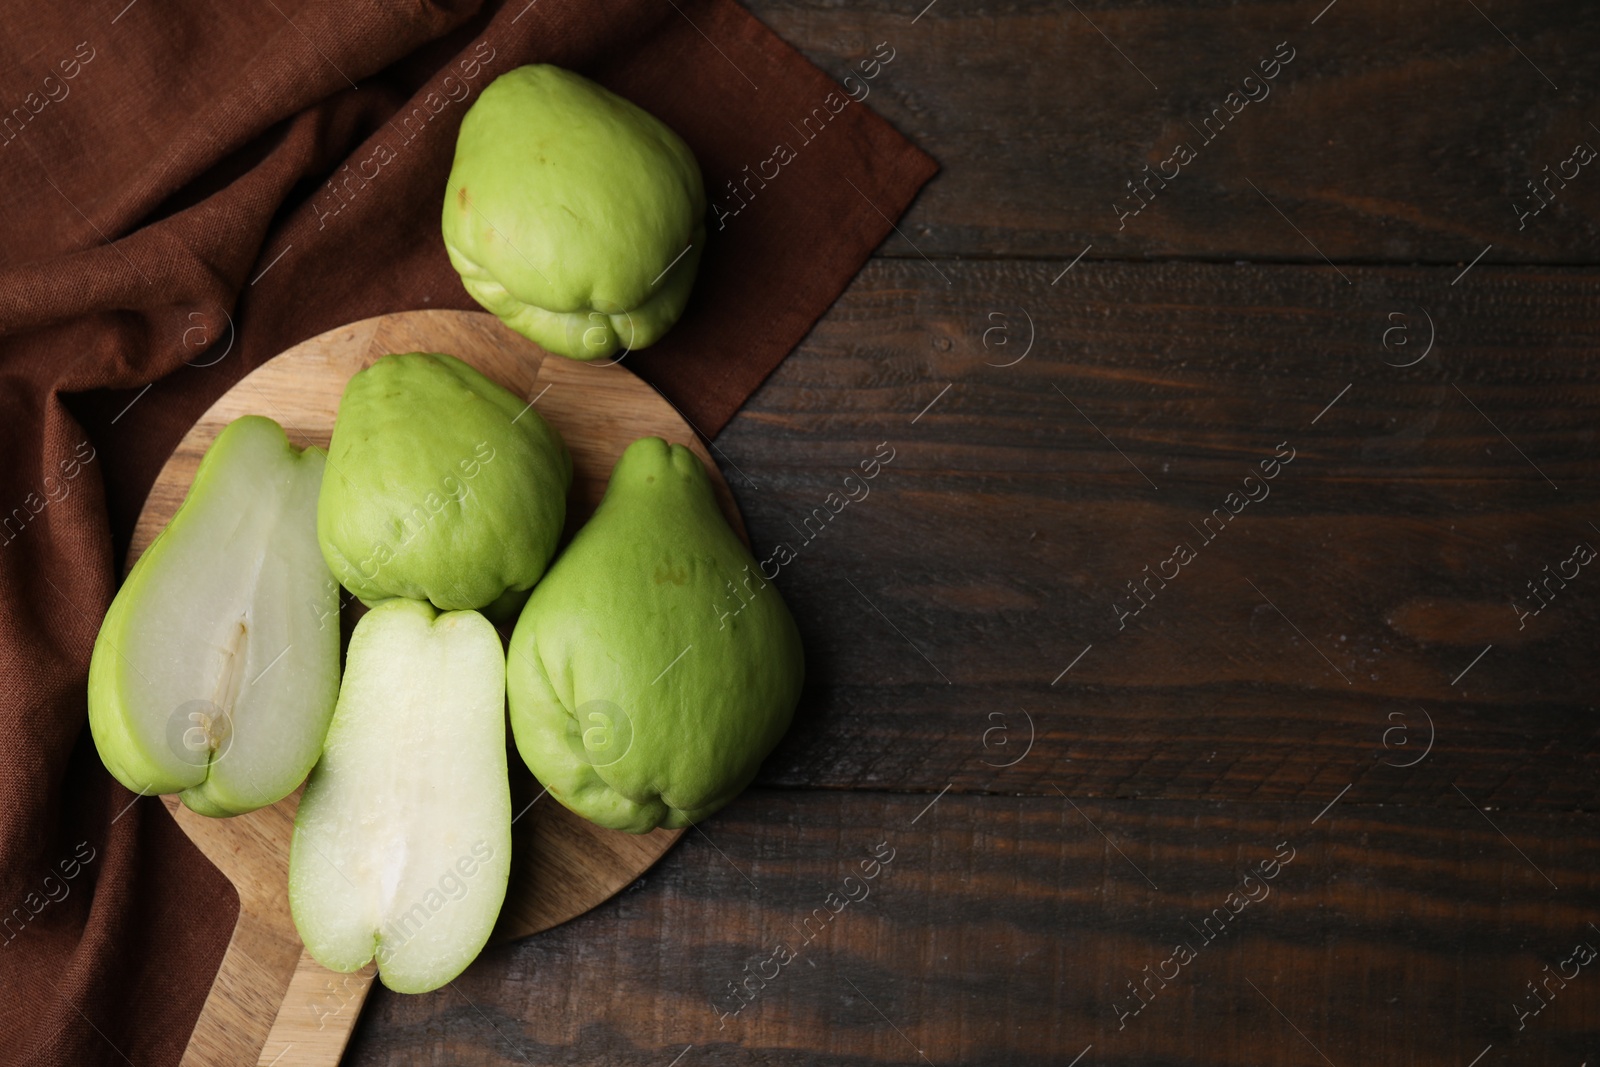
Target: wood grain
{"points": [[252, 851], [991, 551], [1181, 750], [1397, 134], [1341, 669], [272, 1003], [1005, 931]]}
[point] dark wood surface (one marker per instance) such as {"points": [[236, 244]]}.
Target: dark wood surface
{"points": [[1398, 133], [1340, 670]]}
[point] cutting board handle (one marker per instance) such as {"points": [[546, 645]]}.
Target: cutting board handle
{"points": [[318, 1014]]}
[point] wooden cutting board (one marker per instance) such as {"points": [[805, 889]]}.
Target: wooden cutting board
{"points": [[271, 1003]]}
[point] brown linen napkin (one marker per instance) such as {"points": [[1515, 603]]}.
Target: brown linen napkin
{"points": [[191, 188]]}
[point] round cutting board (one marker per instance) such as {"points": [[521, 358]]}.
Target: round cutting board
{"points": [[271, 1003]]}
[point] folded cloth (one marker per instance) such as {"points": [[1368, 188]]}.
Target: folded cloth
{"points": [[192, 188]]}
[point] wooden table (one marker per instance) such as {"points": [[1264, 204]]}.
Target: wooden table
{"points": [[1321, 747]]}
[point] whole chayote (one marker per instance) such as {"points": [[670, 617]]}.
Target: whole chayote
{"points": [[440, 486], [654, 667], [573, 214]]}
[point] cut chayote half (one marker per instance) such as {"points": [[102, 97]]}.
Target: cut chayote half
{"points": [[216, 668]]}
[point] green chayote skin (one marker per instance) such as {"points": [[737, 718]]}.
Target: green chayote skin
{"points": [[440, 486], [653, 668], [568, 212]]}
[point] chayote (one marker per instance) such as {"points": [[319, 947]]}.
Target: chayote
{"points": [[573, 214], [440, 486]]}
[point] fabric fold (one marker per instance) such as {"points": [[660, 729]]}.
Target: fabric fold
{"points": [[192, 189]]}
